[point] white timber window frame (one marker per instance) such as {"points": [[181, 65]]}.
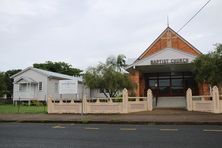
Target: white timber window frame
{"points": [[40, 86]]}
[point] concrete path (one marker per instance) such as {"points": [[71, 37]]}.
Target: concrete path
{"points": [[160, 116]]}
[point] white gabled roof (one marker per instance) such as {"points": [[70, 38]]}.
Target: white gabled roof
{"points": [[166, 53], [47, 73]]}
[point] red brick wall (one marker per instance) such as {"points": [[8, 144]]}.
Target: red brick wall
{"points": [[203, 89], [135, 78], [142, 86]]}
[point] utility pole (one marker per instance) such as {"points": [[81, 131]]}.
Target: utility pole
{"points": [[82, 100]]}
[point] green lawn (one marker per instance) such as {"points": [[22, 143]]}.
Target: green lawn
{"points": [[22, 109]]}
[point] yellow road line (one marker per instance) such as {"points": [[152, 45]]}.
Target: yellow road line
{"points": [[127, 129], [58, 126], [169, 130], [212, 130], [91, 128]]}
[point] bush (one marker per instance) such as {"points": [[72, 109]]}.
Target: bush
{"points": [[36, 103]]}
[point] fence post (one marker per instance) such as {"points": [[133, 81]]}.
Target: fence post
{"points": [[84, 105], [149, 100], [216, 101], [125, 101], [189, 99], [44, 103], [50, 105]]}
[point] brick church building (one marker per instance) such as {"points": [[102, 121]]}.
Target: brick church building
{"points": [[166, 67]]}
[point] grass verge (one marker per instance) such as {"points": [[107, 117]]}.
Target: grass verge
{"points": [[10, 108]]}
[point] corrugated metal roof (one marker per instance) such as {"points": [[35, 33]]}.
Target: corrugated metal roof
{"points": [[49, 74], [53, 74]]}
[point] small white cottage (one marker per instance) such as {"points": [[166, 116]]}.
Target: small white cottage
{"points": [[36, 84]]}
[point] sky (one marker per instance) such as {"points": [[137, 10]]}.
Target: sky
{"points": [[85, 32]]}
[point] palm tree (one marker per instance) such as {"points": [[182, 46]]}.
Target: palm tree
{"points": [[116, 63], [120, 62]]}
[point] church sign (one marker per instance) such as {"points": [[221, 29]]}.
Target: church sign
{"points": [[169, 61], [68, 86]]}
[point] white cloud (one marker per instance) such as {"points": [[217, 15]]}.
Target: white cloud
{"points": [[83, 33], [28, 8]]}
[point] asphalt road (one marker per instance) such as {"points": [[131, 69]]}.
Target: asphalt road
{"points": [[36, 135]]}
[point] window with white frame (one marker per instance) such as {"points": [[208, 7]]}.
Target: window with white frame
{"points": [[40, 86], [22, 87]]}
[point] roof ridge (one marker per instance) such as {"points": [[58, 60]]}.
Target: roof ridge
{"points": [[48, 73], [45, 72]]}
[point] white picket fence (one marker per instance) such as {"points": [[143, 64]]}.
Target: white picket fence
{"points": [[127, 105]]}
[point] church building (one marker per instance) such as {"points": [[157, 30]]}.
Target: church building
{"points": [[166, 68]]}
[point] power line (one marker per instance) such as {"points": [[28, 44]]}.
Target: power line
{"points": [[194, 15]]}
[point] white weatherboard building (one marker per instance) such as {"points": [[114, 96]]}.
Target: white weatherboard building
{"points": [[37, 84]]}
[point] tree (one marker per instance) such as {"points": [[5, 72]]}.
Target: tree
{"points": [[117, 63], [2, 84], [6, 83], [9, 81], [59, 67], [120, 61], [107, 78], [208, 67]]}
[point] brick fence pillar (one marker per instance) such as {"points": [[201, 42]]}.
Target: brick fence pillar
{"points": [[125, 101], [149, 100], [189, 99], [216, 101]]}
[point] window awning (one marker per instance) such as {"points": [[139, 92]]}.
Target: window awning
{"points": [[166, 58], [165, 68], [25, 80]]}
